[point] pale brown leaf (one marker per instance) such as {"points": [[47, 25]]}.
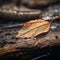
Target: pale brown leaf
{"points": [[33, 28]]}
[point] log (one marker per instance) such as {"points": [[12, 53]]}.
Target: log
{"points": [[10, 46], [18, 13], [39, 3], [51, 39]]}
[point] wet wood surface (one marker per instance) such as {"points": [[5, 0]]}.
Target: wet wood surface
{"points": [[10, 44]]}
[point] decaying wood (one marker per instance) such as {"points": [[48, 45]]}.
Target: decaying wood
{"points": [[51, 12], [21, 13], [36, 3], [51, 39]]}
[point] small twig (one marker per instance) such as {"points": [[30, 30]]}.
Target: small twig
{"points": [[45, 55], [12, 26]]}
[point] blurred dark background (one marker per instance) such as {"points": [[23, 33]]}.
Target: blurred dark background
{"points": [[54, 52]]}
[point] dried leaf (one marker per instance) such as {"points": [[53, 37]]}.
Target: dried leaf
{"points": [[33, 28]]}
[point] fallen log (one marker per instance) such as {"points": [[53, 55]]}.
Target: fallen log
{"points": [[51, 39], [38, 3], [26, 48], [21, 13]]}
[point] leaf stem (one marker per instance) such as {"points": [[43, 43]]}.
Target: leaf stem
{"points": [[54, 19]]}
